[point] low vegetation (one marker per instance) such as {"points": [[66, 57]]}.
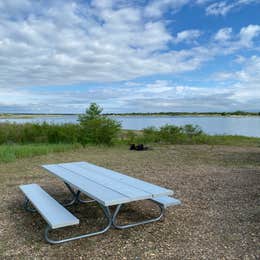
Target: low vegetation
{"points": [[93, 128], [188, 134], [12, 133], [9, 153], [96, 128], [26, 140]]}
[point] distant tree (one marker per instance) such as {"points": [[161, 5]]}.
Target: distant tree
{"points": [[97, 128], [94, 111]]}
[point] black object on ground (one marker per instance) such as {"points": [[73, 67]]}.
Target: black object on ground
{"points": [[138, 147]]}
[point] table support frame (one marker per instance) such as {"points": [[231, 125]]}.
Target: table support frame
{"points": [[118, 226], [90, 234], [111, 218]]}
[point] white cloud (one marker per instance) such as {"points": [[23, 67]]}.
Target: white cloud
{"points": [[229, 42], [223, 34], [157, 8], [225, 91], [247, 34], [157, 87], [50, 43], [70, 43], [245, 87], [155, 96], [61, 43], [219, 8], [223, 76], [187, 36], [223, 7]]}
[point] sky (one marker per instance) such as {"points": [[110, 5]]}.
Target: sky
{"points": [[129, 56]]}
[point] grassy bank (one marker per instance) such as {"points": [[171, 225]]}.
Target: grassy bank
{"points": [[28, 140], [175, 135], [234, 140], [9, 153], [29, 133]]}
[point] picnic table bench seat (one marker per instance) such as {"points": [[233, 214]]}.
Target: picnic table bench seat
{"points": [[166, 201], [53, 212]]}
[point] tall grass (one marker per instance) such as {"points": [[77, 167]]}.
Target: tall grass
{"points": [[27, 140], [168, 134], [99, 130], [188, 134], [9, 153], [39, 133], [236, 140]]}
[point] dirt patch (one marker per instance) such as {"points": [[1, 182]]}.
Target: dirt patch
{"points": [[218, 219]]}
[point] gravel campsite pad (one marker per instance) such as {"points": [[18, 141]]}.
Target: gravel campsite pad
{"points": [[218, 219]]}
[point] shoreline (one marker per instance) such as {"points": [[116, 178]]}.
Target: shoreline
{"points": [[28, 116]]}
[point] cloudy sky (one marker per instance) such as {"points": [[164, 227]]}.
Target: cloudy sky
{"points": [[129, 56]]}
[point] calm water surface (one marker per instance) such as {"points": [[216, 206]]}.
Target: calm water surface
{"points": [[248, 126]]}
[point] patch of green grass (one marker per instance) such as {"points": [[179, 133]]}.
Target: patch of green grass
{"points": [[235, 140], [187, 134], [9, 153]]}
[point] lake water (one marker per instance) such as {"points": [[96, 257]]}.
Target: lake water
{"points": [[247, 126]]}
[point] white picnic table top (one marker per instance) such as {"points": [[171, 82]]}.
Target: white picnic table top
{"points": [[103, 185]]}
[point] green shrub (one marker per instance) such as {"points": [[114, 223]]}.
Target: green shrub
{"points": [[171, 134], [66, 133], [151, 134], [192, 130], [97, 129], [11, 133], [130, 136]]}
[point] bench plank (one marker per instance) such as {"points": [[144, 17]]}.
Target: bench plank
{"points": [[167, 201], [53, 212], [155, 190]]}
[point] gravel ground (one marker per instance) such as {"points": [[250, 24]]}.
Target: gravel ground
{"points": [[218, 219]]}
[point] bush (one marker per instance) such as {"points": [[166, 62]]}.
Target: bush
{"points": [[96, 128], [151, 134], [66, 133], [192, 130], [11, 133], [130, 136], [171, 134]]}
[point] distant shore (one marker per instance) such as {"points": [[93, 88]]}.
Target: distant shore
{"points": [[24, 116], [197, 114], [236, 113]]}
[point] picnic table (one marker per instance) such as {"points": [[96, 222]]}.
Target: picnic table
{"points": [[103, 186]]}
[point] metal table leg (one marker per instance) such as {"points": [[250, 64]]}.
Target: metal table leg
{"points": [[114, 218], [109, 220], [27, 206], [75, 197]]}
